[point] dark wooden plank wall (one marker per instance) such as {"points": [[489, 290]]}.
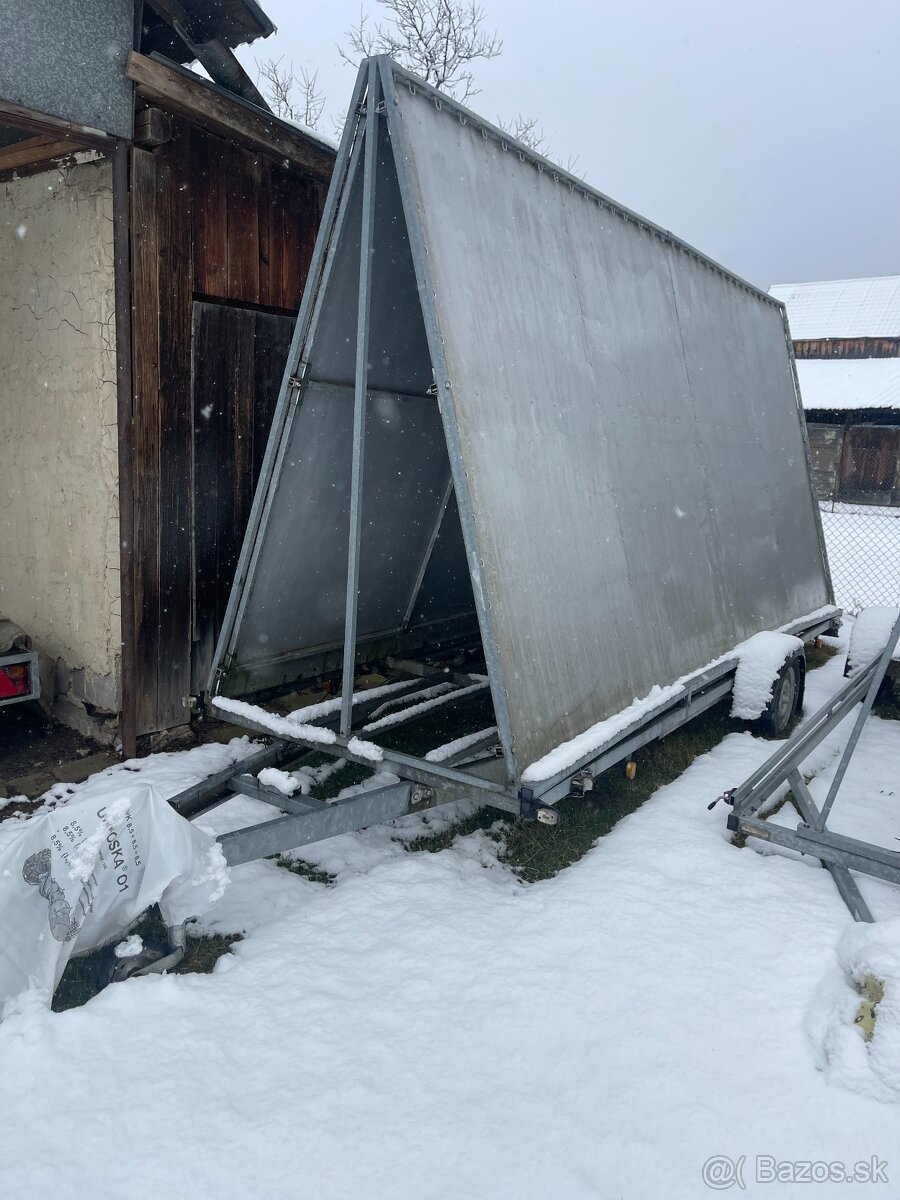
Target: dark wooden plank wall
{"points": [[210, 220], [825, 443], [856, 462], [239, 356], [870, 465], [861, 347]]}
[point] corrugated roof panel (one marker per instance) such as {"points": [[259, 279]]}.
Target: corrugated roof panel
{"points": [[842, 308]]}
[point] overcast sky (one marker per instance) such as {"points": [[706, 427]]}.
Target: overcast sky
{"points": [[765, 133]]}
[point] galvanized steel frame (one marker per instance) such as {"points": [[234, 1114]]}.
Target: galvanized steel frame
{"points": [[840, 854], [301, 829], [359, 397], [474, 773]]}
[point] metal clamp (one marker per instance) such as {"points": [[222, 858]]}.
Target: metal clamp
{"points": [[582, 783], [533, 810], [420, 795]]}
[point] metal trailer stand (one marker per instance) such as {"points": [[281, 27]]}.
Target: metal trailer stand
{"points": [[476, 771], [527, 442], [838, 853]]}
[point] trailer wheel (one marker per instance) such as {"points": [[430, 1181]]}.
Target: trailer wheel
{"points": [[787, 697]]}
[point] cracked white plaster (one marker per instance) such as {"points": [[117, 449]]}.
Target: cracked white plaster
{"points": [[59, 533]]}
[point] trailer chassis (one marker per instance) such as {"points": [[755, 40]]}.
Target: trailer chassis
{"points": [[477, 772]]}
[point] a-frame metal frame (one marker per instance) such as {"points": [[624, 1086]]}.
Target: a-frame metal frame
{"points": [[373, 102]]}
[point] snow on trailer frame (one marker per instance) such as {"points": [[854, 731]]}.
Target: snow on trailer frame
{"points": [[563, 434]]}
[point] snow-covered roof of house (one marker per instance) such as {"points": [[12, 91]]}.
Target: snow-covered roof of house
{"points": [[849, 383], [842, 308]]}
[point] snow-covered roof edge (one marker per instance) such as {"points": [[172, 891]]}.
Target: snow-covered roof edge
{"points": [[847, 384], [842, 308]]}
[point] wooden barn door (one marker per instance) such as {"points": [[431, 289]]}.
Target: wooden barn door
{"points": [[237, 359]]}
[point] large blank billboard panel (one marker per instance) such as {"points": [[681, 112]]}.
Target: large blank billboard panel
{"points": [[630, 434]]}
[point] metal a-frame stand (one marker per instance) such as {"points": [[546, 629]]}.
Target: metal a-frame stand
{"points": [[304, 819], [307, 603], [839, 854]]}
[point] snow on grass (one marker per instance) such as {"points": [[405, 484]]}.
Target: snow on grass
{"points": [[430, 1027], [870, 1067], [169, 773]]}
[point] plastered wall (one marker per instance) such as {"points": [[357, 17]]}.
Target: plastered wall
{"points": [[59, 556]]}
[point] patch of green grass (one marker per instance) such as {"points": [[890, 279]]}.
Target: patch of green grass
{"points": [[435, 728], [433, 843], [439, 726], [818, 656], [89, 974], [305, 870], [348, 776], [536, 851], [203, 952]]}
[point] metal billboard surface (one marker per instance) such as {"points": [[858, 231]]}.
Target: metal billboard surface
{"points": [[618, 416]]}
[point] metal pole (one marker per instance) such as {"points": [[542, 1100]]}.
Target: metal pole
{"points": [[359, 400], [125, 427], [858, 727]]}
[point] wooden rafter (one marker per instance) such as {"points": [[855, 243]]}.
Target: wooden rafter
{"points": [[80, 136], [33, 152], [209, 107]]}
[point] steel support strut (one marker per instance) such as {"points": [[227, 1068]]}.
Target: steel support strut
{"points": [[883, 663], [359, 396]]}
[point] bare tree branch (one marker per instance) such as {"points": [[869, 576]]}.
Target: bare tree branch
{"points": [[526, 131], [436, 39], [292, 94]]}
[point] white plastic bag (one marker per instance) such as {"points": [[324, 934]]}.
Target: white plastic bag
{"points": [[75, 877]]}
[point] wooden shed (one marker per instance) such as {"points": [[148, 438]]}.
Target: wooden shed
{"points": [[846, 336], [157, 227]]}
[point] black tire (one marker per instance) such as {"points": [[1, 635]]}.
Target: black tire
{"points": [[787, 698]]}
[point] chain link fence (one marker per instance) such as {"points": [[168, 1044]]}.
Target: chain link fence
{"points": [[863, 543]]}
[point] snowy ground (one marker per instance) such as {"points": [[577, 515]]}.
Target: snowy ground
{"points": [[432, 1028]]}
